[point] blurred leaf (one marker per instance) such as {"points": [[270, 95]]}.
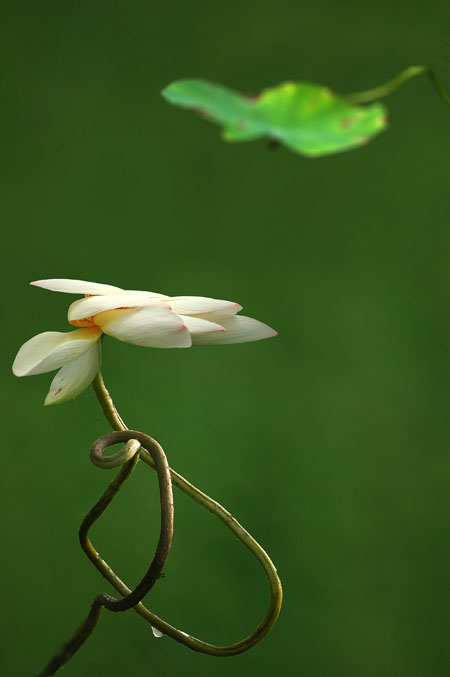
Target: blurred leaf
{"points": [[308, 119]]}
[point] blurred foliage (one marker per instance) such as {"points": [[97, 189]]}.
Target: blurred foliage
{"points": [[308, 119]]}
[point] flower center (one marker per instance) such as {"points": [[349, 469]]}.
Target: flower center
{"points": [[84, 322], [89, 321]]}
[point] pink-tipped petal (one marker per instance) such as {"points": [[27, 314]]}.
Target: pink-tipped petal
{"points": [[53, 349], [147, 326], [77, 287], [239, 329], [197, 325]]}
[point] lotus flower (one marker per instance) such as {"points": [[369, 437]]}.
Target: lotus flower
{"points": [[138, 317]]}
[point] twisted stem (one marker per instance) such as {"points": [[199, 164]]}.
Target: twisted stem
{"points": [[128, 457], [155, 452], [216, 509]]}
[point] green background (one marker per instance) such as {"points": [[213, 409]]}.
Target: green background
{"points": [[330, 442]]}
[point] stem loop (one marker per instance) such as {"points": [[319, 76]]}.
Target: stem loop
{"points": [[276, 593]]}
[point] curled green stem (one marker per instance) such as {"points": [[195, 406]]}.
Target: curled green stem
{"points": [[155, 452], [221, 513], [128, 457], [390, 86]]}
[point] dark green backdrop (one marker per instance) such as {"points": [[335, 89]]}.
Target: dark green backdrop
{"points": [[330, 442]]}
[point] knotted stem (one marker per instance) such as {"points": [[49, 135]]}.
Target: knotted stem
{"points": [[128, 457], [212, 506]]}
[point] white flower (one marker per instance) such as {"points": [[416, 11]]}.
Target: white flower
{"points": [[139, 317]]}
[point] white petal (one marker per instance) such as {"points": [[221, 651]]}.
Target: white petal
{"points": [[147, 326], [72, 379], [78, 287], [197, 305], [52, 350], [151, 294], [217, 316], [239, 329], [197, 325], [96, 304]]}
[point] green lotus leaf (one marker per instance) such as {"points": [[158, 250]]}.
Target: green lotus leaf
{"points": [[309, 119]]}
